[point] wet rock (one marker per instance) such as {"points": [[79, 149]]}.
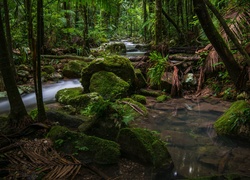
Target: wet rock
{"points": [[118, 65], [108, 85], [73, 68], [180, 139], [114, 47], [85, 148], [235, 121], [143, 145]]}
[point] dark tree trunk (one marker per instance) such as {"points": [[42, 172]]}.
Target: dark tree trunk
{"points": [[40, 106], [181, 36], [216, 40], [158, 22], [8, 36], [18, 112], [228, 31]]}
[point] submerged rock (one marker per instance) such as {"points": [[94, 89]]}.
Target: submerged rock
{"points": [[145, 146]]}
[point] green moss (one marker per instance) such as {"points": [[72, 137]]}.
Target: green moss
{"points": [[140, 79], [65, 95], [145, 146], [48, 69], [119, 65], [137, 104], [225, 124], [108, 85], [162, 98], [85, 148], [73, 69], [147, 92], [139, 98]]}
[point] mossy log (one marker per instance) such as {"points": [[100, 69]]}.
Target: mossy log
{"points": [[87, 59]]}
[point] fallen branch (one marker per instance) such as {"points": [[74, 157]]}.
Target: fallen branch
{"points": [[87, 59], [182, 58]]}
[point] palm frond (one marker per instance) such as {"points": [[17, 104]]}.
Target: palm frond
{"points": [[238, 19], [36, 158]]}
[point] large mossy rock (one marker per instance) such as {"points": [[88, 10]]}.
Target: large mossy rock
{"points": [[121, 66], [145, 146], [108, 85], [235, 121], [111, 117], [85, 148], [76, 98], [114, 47], [73, 69]]}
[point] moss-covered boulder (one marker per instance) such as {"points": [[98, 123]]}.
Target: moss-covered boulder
{"points": [[76, 98], [108, 85], [83, 147], [145, 146], [49, 69], [111, 116], [235, 121], [139, 98], [121, 66], [73, 69], [140, 79], [162, 98], [115, 47]]}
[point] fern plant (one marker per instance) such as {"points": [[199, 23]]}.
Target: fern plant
{"points": [[158, 68]]}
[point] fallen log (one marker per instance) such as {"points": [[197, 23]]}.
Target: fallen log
{"points": [[87, 59], [184, 58]]}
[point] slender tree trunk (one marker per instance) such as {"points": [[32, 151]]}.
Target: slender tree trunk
{"points": [[40, 106], [8, 36], [216, 40], [228, 31], [145, 14], [18, 113], [181, 36], [86, 47], [158, 22]]}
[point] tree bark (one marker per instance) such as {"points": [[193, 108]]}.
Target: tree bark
{"points": [[17, 109], [228, 31], [216, 40], [8, 36], [40, 106], [158, 22]]}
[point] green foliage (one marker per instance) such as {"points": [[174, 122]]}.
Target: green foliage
{"points": [[158, 68], [240, 118], [98, 108]]}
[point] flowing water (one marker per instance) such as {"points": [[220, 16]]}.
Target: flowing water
{"points": [[49, 91]]}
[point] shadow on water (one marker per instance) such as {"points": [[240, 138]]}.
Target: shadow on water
{"points": [[49, 92], [195, 148]]}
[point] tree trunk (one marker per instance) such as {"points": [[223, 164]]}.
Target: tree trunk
{"points": [[40, 106], [18, 112], [181, 36], [228, 31], [158, 22], [144, 6], [216, 40]]}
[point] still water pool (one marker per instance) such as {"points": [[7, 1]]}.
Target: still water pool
{"points": [[196, 150]]}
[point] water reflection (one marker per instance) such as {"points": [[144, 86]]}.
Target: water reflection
{"points": [[196, 150]]}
